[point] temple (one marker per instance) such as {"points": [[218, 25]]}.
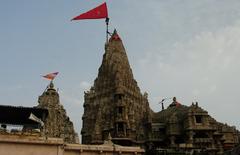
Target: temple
{"points": [[57, 124], [117, 119], [46, 129], [115, 105]]}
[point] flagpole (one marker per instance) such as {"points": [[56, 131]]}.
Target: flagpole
{"points": [[107, 22]]}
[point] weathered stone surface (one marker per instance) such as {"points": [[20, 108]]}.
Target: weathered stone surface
{"points": [[27, 145], [191, 128], [58, 123], [115, 105]]}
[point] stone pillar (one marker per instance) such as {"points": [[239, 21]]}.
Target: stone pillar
{"points": [[190, 134], [172, 139]]}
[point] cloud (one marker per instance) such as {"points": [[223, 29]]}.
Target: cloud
{"points": [[205, 52], [204, 68]]}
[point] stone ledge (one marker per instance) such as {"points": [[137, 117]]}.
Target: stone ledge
{"points": [[30, 140], [103, 148]]}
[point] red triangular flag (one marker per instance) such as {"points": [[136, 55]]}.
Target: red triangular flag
{"points": [[96, 13]]}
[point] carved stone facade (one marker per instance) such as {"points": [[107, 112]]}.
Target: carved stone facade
{"points": [[191, 128], [115, 105], [57, 123]]}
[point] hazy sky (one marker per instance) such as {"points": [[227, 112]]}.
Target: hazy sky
{"points": [[183, 48]]}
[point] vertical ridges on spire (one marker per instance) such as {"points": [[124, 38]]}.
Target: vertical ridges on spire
{"points": [[57, 123], [116, 94], [115, 70]]}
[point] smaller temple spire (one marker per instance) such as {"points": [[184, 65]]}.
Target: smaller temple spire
{"points": [[57, 123]]}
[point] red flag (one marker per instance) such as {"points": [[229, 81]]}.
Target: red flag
{"points": [[50, 76], [96, 13]]}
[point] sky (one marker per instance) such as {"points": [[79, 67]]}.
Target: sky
{"points": [[183, 48]]}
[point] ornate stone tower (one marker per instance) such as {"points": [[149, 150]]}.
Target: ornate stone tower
{"points": [[58, 123], [114, 104]]}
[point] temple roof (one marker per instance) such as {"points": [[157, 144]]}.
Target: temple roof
{"points": [[178, 111], [163, 116], [20, 115]]}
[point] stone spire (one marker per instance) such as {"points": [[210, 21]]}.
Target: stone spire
{"points": [[114, 98], [115, 71], [57, 123]]}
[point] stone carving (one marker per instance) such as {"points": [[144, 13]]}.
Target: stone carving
{"points": [[58, 123], [114, 105], [190, 128]]}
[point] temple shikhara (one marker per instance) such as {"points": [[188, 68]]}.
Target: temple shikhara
{"points": [[115, 105], [57, 123], [117, 119]]}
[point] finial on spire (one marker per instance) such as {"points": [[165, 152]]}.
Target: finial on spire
{"points": [[51, 85], [175, 103], [115, 36], [109, 140], [109, 136], [114, 31]]}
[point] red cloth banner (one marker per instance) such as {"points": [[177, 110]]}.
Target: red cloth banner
{"points": [[96, 13]]}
